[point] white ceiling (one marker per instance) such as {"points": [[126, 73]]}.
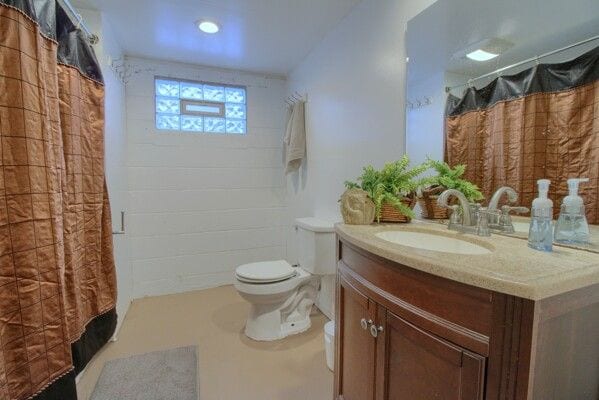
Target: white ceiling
{"points": [[271, 36], [534, 26]]}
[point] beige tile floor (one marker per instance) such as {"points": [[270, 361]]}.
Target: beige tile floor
{"points": [[231, 366]]}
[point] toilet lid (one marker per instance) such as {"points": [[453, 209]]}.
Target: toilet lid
{"points": [[265, 271]]}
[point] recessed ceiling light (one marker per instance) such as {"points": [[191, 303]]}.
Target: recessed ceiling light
{"points": [[208, 26], [481, 55], [484, 50]]}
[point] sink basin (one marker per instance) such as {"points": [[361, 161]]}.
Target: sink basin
{"points": [[432, 242]]}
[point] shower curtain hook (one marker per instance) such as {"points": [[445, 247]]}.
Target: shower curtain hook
{"points": [[93, 39], [79, 21]]}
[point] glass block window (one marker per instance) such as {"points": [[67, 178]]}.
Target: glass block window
{"points": [[200, 107]]}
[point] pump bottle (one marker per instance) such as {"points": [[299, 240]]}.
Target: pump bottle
{"points": [[540, 233], [572, 226]]}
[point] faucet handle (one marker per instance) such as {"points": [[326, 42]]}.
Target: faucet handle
{"points": [[482, 225], [505, 210], [454, 217], [505, 220], [475, 212]]}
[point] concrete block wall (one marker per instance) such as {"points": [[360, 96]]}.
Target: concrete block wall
{"points": [[202, 204]]}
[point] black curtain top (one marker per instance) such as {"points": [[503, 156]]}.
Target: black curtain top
{"points": [[74, 48], [538, 79]]}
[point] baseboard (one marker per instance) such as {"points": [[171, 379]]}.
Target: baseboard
{"points": [[120, 320], [183, 285]]}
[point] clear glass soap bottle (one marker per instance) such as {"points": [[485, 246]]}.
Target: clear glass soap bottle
{"points": [[572, 226], [540, 232]]}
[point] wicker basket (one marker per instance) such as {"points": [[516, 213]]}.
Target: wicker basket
{"points": [[391, 214], [429, 206]]}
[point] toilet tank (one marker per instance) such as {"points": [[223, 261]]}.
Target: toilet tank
{"points": [[316, 245]]}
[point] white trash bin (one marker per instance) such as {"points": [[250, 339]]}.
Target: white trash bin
{"points": [[329, 343]]}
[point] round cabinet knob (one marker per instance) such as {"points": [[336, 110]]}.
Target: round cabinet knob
{"points": [[364, 324], [374, 330]]}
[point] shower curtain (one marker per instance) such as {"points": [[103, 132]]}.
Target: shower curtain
{"points": [[540, 123], [57, 275]]}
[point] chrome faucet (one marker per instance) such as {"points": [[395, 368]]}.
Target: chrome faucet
{"points": [[501, 220], [511, 195], [475, 219], [444, 197]]}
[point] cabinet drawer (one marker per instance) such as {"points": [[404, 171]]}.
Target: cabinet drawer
{"points": [[461, 313]]}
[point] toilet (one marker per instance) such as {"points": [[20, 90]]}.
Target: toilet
{"points": [[281, 295]]}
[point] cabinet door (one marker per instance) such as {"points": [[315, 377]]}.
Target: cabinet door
{"points": [[419, 365], [356, 346]]}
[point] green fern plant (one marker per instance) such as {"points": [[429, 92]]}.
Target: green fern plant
{"points": [[451, 178], [391, 184]]}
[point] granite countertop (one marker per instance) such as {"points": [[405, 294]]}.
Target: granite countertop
{"points": [[511, 268]]}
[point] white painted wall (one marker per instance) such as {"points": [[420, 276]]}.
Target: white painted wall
{"points": [[115, 150], [424, 124], [203, 204], [355, 115]]}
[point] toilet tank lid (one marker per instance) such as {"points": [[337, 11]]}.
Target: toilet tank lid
{"points": [[315, 224]]}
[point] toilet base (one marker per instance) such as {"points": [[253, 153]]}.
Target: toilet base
{"points": [[256, 330], [274, 321]]}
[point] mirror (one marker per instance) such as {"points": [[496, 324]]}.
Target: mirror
{"points": [[457, 44]]}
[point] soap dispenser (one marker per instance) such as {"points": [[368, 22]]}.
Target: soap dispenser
{"points": [[540, 233], [572, 226]]}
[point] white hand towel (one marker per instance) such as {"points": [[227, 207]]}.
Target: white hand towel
{"points": [[295, 138]]}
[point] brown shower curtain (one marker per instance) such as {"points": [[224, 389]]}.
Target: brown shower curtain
{"points": [[57, 276], [539, 123]]}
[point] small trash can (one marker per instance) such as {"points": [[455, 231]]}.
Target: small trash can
{"points": [[329, 343]]}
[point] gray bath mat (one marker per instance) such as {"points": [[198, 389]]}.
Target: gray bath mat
{"points": [[161, 375]]}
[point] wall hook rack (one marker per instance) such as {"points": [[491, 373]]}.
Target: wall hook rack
{"points": [[419, 103], [295, 97], [124, 70]]}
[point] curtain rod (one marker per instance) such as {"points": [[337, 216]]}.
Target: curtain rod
{"points": [[92, 37], [535, 58]]}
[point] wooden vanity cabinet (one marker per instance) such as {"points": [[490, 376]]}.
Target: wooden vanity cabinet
{"points": [[394, 355], [408, 335]]}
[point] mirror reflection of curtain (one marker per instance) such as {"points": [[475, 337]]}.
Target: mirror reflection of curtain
{"points": [[57, 275], [540, 123]]}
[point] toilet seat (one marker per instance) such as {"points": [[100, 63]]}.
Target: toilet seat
{"points": [[265, 272]]}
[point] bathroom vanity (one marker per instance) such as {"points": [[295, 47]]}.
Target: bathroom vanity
{"points": [[485, 319]]}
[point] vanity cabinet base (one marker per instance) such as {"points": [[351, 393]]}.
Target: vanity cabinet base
{"points": [[409, 335]]}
